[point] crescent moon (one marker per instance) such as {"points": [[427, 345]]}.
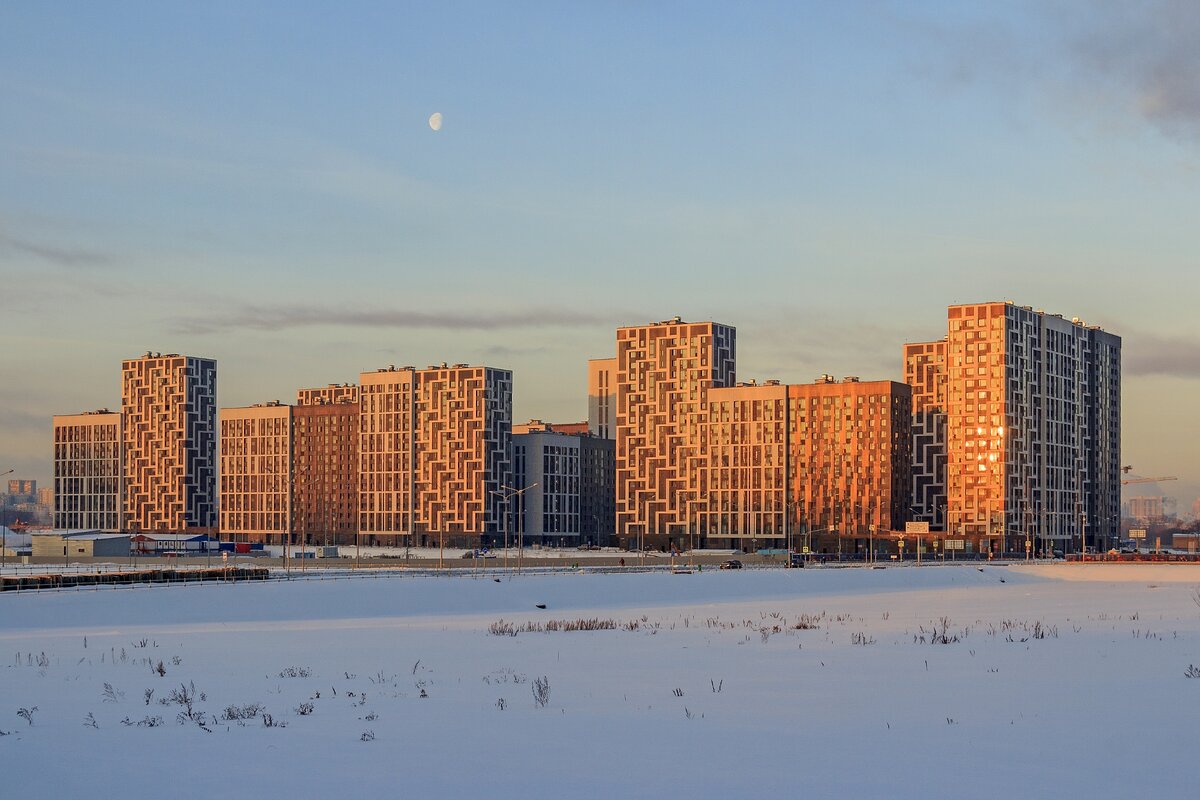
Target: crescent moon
{"points": [[435, 121]]}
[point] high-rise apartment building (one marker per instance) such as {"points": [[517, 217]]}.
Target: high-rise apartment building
{"points": [[663, 375], [828, 462], [1032, 420], [22, 488], [325, 489], [435, 447], [169, 429], [256, 473], [602, 391], [87, 471]]}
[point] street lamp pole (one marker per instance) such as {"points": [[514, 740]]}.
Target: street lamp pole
{"points": [[507, 493]]}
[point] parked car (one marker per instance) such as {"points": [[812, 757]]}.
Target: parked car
{"points": [[732, 563]]}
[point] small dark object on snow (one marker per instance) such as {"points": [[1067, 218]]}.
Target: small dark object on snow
{"points": [[541, 605], [497, 580], [1002, 580]]}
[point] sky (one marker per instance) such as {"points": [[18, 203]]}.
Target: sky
{"points": [[259, 184]]}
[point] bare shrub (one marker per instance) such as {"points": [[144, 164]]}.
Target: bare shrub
{"points": [[367, 736], [541, 691], [939, 634], [144, 722], [498, 628], [112, 695], [186, 698], [304, 709], [236, 713], [295, 672], [1192, 671], [27, 713], [808, 622]]}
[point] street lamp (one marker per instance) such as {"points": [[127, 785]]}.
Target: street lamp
{"points": [[507, 493]]}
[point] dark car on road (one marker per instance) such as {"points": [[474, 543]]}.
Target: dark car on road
{"points": [[732, 563]]}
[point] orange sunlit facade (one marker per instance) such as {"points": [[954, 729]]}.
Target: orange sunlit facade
{"points": [[663, 375], [825, 463], [87, 471], [169, 438], [256, 473], [975, 421], [434, 447], [325, 463], [602, 390], [324, 395], [1030, 407]]}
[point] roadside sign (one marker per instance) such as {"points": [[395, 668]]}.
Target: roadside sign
{"points": [[1137, 533], [916, 527], [805, 550], [956, 544]]}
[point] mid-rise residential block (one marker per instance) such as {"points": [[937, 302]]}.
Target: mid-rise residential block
{"points": [[87, 471], [256, 473]]}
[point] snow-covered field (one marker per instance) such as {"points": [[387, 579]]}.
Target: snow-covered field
{"points": [[904, 682]]}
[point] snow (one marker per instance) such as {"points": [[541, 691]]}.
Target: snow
{"points": [[1065, 678]]}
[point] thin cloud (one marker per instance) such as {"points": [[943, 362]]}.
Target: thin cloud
{"points": [[1138, 61], [63, 256], [1175, 357], [280, 318], [1149, 54]]}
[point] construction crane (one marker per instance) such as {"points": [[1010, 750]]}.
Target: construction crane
{"points": [[1127, 481]]}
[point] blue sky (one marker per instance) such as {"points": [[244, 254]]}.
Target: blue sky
{"points": [[258, 184]]}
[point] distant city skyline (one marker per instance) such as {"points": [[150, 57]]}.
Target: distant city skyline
{"points": [[261, 186]]}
